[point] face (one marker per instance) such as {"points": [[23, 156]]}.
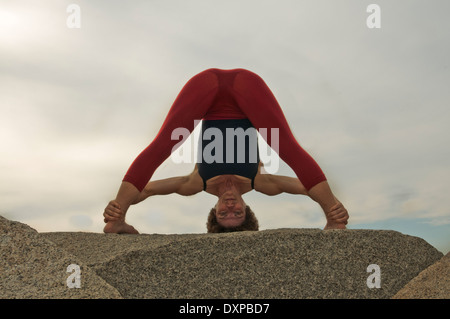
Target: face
{"points": [[230, 210]]}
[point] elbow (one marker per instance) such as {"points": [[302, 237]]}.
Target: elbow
{"points": [[147, 192]]}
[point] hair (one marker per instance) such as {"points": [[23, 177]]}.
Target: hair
{"points": [[250, 223]]}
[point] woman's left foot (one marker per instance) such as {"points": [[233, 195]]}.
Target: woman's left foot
{"points": [[119, 227]]}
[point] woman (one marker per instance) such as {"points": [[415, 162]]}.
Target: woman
{"points": [[224, 99]]}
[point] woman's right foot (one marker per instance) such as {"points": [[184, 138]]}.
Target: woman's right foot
{"points": [[331, 225], [119, 227]]}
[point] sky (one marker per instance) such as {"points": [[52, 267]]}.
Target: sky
{"points": [[78, 102]]}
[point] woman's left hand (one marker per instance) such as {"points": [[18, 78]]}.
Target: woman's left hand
{"points": [[113, 212]]}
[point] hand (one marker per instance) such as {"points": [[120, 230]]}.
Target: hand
{"points": [[113, 212], [338, 214]]}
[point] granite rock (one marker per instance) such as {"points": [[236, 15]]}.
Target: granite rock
{"points": [[277, 263], [32, 267], [431, 283]]}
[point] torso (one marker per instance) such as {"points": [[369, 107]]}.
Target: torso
{"points": [[243, 150], [225, 114]]}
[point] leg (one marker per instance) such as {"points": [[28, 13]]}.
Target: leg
{"points": [[192, 103], [260, 106]]}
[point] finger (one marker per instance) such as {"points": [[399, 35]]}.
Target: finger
{"points": [[337, 206], [110, 218], [111, 213], [342, 220], [337, 213], [115, 203], [340, 213], [341, 216], [114, 210]]}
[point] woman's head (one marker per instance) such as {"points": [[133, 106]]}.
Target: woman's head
{"points": [[243, 220]]}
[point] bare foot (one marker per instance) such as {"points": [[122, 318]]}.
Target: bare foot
{"points": [[119, 227], [331, 225]]}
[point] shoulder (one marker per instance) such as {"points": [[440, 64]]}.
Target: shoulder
{"points": [[262, 180], [264, 183], [194, 178]]}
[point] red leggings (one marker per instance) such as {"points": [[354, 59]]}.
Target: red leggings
{"points": [[225, 94]]}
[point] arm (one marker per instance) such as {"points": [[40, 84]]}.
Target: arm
{"points": [[129, 195], [274, 184], [337, 214], [182, 185]]}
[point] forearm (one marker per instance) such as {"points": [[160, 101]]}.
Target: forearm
{"points": [[151, 189], [179, 185], [142, 196]]}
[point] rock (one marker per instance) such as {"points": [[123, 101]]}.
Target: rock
{"points": [[279, 263], [432, 283], [33, 267]]}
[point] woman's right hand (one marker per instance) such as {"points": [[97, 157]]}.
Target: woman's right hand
{"points": [[113, 212], [338, 214]]}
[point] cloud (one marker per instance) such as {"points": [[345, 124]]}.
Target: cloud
{"points": [[81, 221], [79, 105]]}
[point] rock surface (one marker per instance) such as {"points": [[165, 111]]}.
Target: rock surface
{"points": [[33, 267], [279, 263], [432, 283]]}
